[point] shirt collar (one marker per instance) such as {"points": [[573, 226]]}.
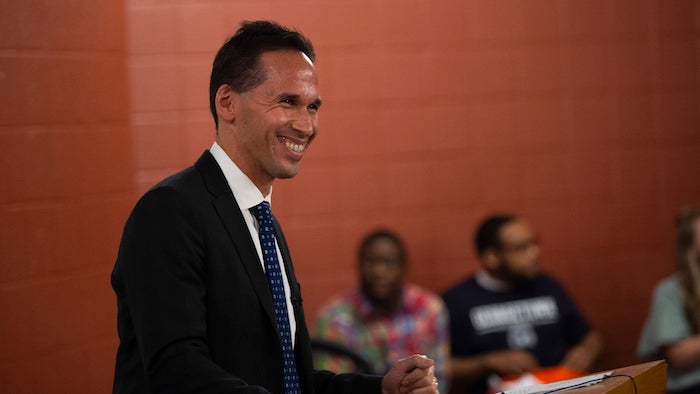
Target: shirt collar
{"points": [[366, 309], [489, 282], [247, 195]]}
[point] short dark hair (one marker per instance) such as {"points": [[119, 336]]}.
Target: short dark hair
{"points": [[237, 63], [488, 233], [382, 234]]}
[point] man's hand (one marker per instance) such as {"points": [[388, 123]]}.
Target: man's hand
{"points": [[414, 374], [509, 362], [582, 356]]}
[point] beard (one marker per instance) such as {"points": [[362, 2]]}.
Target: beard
{"points": [[506, 272]]}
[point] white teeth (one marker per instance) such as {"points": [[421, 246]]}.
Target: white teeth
{"points": [[295, 147]]}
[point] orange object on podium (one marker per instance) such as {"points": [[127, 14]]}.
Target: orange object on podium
{"points": [[646, 378], [539, 376]]}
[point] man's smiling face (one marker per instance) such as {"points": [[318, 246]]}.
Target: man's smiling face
{"points": [[275, 122]]}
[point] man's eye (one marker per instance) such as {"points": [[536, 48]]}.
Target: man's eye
{"points": [[288, 101], [313, 107]]}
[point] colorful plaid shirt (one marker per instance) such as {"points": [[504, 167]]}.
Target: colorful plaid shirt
{"points": [[420, 325]]}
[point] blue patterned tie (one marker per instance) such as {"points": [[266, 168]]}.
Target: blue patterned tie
{"points": [[274, 277]]}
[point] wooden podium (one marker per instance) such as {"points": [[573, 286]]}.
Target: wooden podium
{"points": [[649, 378]]}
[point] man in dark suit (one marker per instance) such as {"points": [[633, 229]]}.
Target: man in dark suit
{"points": [[195, 311]]}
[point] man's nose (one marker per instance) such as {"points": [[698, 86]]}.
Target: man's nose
{"points": [[304, 123]]}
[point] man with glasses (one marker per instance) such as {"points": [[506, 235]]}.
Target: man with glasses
{"points": [[510, 318]]}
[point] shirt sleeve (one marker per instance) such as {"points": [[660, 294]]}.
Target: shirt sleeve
{"points": [[328, 327], [575, 325], [666, 322]]}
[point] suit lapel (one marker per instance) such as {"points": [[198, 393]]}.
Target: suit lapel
{"points": [[230, 213], [289, 268]]}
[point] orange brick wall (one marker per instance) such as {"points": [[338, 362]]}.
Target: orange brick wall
{"points": [[582, 116], [66, 184]]}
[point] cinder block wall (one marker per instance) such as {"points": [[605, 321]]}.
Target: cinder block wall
{"points": [[582, 116]]}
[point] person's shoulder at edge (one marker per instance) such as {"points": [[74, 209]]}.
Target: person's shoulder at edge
{"points": [[669, 284], [459, 289], [417, 297], [179, 183], [167, 194], [546, 279]]}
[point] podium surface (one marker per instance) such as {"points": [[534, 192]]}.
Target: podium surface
{"points": [[649, 378]]}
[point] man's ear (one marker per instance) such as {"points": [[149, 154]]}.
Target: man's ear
{"points": [[224, 102], [490, 259]]}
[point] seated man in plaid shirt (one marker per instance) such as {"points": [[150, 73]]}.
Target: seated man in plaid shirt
{"points": [[385, 319]]}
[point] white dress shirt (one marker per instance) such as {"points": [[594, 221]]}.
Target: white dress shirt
{"points": [[247, 196]]}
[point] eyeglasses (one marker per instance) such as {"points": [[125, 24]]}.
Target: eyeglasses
{"points": [[519, 247]]}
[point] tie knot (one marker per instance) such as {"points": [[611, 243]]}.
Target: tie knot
{"points": [[262, 211]]}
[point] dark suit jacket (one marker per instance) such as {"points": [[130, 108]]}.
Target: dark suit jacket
{"points": [[195, 313]]}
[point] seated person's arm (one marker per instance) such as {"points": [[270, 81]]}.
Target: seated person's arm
{"points": [[684, 353], [582, 356], [504, 362]]}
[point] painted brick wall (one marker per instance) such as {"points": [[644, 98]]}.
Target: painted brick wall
{"points": [[582, 116], [66, 186]]}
